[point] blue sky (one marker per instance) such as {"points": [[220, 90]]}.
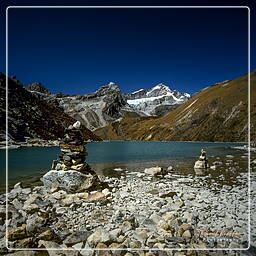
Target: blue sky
{"points": [[75, 51]]}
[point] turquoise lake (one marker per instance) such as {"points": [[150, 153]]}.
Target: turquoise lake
{"points": [[33, 161]]}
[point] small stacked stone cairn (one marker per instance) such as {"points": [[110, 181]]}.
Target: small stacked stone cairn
{"points": [[202, 163], [70, 172]]}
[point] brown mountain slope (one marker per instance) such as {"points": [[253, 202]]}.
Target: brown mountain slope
{"points": [[30, 116], [217, 113]]}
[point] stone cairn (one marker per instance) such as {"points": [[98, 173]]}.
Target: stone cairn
{"points": [[202, 163], [70, 172]]}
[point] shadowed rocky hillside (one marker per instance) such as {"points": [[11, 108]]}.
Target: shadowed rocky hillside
{"points": [[30, 116], [217, 113]]}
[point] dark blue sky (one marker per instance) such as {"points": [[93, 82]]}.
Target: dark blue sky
{"points": [[75, 51]]}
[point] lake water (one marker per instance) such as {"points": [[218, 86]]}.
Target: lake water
{"points": [[34, 161]]}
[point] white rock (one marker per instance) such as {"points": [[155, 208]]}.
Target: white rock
{"points": [[106, 192], [118, 169], [200, 164], [77, 124], [170, 168], [154, 170]]}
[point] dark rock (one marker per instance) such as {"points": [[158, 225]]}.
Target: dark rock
{"points": [[77, 237]]}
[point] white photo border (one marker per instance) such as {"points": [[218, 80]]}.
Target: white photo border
{"points": [[249, 139]]}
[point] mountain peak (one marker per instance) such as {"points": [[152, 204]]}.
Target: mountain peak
{"points": [[159, 89], [37, 87]]}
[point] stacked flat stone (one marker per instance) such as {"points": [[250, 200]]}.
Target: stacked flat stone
{"points": [[73, 151], [202, 163], [70, 172]]}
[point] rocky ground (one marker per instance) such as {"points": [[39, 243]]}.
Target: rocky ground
{"points": [[137, 214]]}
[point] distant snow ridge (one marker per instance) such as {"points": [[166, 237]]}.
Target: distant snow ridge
{"points": [[160, 95]]}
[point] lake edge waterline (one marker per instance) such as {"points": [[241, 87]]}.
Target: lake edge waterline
{"points": [[163, 151], [46, 145]]}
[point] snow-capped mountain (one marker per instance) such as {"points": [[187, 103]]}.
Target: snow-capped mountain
{"points": [[108, 103], [148, 101]]}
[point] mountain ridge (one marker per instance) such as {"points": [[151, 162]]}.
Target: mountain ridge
{"points": [[216, 113], [30, 116], [108, 103]]}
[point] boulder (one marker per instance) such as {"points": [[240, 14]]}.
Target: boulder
{"points": [[70, 181], [154, 171], [200, 164]]}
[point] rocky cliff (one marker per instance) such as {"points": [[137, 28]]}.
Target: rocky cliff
{"points": [[217, 113], [97, 109], [31, 116]]}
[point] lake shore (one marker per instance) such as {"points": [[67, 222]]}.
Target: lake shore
{"points": [[55, 143], [207, 209]]}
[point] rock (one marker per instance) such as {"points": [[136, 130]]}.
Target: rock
{"points": [[77, 125], [70, 181], [135, 244], [129, 224], [141, 236], [163, 225], [170, 168], [25, 243], [202, 163], [59, 194], [106, 192], [187, 234], [17, 233], [54, 188], [35, 223], [168, 194], [17, 185], [154, 171], [218, 163], [17, 204], [47, 235], [126, 226], [30, 208], [61, 210], [78, 246], [99, 236], [52, 245], [77, 237], [124, 194], [180, 203], [118, 169], [69, 199], [186, 226], [102, 252], [96, 196], [117, 249], [169, 216]]}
